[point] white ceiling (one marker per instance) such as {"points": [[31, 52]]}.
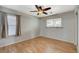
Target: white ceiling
{"points": [[55, 9]]}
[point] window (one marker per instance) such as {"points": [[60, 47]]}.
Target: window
{"points": [[11, 25], [54, 22]]}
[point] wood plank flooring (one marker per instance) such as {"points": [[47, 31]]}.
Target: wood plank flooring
{"points": [[40, 45]]}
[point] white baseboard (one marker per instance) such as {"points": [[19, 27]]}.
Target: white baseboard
{"points": [[59, 39], [13, 40]]}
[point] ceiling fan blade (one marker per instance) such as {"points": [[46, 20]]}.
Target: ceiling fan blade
{"points": [[40, 7], [37, 6], [46, 9], [45, 13]]}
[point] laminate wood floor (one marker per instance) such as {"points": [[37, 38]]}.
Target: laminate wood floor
{"points": [[40, 45]]}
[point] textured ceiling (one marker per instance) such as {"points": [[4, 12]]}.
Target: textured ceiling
{"points": [[55, 9]]}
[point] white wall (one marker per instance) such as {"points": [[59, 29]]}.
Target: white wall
{"points": [[78, 32], [0, 26], [29, 26], [67, 33]]}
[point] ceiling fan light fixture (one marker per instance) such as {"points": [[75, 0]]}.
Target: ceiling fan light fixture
{"points": [[41, 10]]}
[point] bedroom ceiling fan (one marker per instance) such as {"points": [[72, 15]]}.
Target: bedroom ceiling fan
{"points": [[41, 10]]}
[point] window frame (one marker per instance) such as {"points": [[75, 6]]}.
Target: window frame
{"points": [[55, 22], [11, 25]]}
